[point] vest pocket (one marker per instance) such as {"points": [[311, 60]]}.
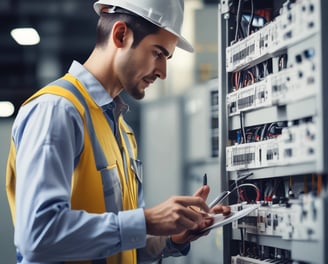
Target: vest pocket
{"points": [[137, 167], [112, 189]]}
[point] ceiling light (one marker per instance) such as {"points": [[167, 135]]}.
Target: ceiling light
{"points": [[25, 36], [7, 109]]}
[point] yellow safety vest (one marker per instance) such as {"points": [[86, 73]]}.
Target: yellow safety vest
{"points": [[101, 157]]}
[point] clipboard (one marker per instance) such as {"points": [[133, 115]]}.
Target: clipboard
{"points": [[221, 220]]}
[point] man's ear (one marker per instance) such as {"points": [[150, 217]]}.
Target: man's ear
{"points": [[120, 34]]}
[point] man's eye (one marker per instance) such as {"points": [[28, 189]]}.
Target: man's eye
{"points": [[158, 54]]}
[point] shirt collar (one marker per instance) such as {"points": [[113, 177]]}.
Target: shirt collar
{"points": [[95, 89]]}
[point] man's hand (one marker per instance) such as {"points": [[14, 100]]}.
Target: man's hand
{"points": [[175, 215], [194, 233]]}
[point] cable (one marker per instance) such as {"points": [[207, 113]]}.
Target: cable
{"points": [[305, 184], [242, 128], [242, 237], [313, 183], [268, 193], [269, 129], [251, 18], [319, 187], [236, 80], [290, 189], [252, 80], [263, 132], [241, 177], [258, 194], [238, 191], [265, 69], [238, 16]]}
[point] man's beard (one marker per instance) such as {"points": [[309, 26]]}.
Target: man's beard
{"points": [[136, 93]]}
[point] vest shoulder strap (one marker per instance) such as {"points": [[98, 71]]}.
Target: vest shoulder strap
{"points": [[100, 159]]}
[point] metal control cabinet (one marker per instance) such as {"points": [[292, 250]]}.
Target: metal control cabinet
{"points": [[272, 128], [200, 123]]}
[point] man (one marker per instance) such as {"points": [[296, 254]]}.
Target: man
{"points": [[74, 182]]}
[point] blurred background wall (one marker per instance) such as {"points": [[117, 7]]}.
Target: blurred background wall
{"points": [[7, 251]]}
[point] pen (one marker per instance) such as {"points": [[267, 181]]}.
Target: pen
{"points": [[198, 209], [205, 179]]}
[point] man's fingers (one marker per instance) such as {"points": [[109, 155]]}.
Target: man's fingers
{"points": [[203, 192], [221, 209], [194, 201]]}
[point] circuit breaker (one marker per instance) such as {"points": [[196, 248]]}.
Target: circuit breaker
{"points": [[272, 128]]}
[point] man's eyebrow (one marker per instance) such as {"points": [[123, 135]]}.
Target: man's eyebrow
{"points": [[165, 52]]}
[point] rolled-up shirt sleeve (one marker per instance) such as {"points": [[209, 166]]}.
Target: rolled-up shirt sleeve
{"points": [[48, 135]]}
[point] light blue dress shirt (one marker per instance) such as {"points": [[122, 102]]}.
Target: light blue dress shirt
{"points": [[48, 134]]}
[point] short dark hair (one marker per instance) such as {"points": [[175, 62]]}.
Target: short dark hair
{"points": [[139, 26]]}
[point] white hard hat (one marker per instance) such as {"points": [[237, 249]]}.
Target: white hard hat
{"points": [[167, 14]]}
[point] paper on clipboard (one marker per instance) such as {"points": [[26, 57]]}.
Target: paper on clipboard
{"points": [[221, 220]]}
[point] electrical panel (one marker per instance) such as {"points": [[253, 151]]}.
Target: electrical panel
{"points": [[273, 124]]}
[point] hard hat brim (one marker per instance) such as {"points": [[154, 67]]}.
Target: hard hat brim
{"points": [[182, 42], [185, 45]]}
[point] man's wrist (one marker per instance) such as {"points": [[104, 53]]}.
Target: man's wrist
{"points": [[178, 239], [183, 248]]}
